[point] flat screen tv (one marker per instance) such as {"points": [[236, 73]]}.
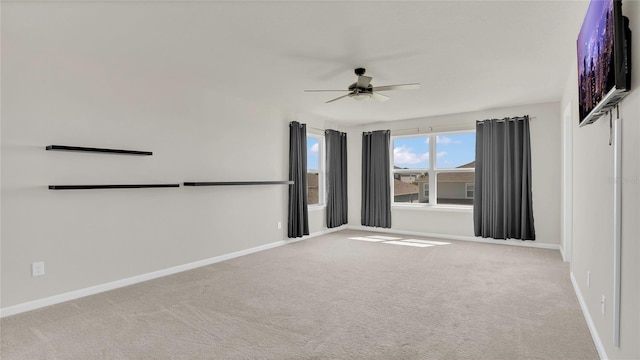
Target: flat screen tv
{"points": [[604, 59]]}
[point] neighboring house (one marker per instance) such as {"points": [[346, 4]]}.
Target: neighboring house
{"points": [[456, 188], [404, 187], [408, 178], [404, 191], [312, 187]]}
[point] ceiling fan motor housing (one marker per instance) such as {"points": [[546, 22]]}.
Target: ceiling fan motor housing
{"points": [[354, 88]]}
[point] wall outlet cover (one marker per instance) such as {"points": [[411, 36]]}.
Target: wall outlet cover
{"points": [[37, 268]]}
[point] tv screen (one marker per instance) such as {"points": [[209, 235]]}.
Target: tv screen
{"points": [[603, 59]]}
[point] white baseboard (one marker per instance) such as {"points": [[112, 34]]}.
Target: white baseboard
{"points": [[587, 317], [76, 294], [319, 233], [457, 237]]}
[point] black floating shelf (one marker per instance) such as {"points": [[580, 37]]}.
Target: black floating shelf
{"points": [[131, 186], [98, 150], [232, 183]]}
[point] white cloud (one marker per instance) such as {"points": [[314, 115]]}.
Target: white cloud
{"points": [[314, 148], [404, 156], [445, 140], [441, 154]]}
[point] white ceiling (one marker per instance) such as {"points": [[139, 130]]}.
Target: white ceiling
{"points": [[468, 55]]}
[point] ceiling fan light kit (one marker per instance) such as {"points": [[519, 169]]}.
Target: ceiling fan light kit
{"points": [[363, 90], [361, 96]]}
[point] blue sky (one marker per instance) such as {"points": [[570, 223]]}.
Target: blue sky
{"points": [[312, 153], [452, 150]]}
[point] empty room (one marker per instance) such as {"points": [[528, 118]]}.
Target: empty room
{"points": [[320, 179]]}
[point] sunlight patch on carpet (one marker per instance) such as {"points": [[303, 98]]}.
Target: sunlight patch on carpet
{"points": [[399, 241], [394, 242], [365, 239], [430, 242], [384, 237]]}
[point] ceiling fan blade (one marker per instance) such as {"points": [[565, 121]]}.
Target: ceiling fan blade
{"points": [[363, 81], [323, 90], [380, 97], [397, 87], [338, 98]]}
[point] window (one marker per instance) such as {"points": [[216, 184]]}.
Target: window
{"points": [[410, 169], [442, 164], [315, 169], [469, 190]]}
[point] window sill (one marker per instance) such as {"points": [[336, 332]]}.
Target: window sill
{"points": [[425, 207], [316, 207]]}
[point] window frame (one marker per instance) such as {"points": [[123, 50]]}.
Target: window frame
{"points": [[322, 202], [432, 171], [466, 190]]}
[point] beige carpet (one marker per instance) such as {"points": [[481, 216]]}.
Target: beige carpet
{"points": [[327, 298]]}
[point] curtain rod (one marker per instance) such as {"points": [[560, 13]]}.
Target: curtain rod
{"points": [[451, 126], [323, 130], [308, 127], [524, 116], [431, 128], [417, 129], [410, 129]]}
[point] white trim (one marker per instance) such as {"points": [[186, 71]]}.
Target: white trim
{"points": [[458, 237], [316, 207], [617, 226], [76, 294], [567, 183], [587, 317], [317, 233], [433, 175], [427, 207]]}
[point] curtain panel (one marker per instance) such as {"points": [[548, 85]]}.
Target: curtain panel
{"points": [[336, 156], [503, 207], [298, 221], [376, 184]]}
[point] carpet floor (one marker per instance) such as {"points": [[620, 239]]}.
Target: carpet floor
{"points": [[346, 295]]}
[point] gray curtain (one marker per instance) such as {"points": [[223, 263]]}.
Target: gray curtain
{"points": [[298, 213], [376, 186], [336, 150], [502, 206]]}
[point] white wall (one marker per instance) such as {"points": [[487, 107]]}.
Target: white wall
{"points": [[592, 248], [83, 91], [545, 158]]}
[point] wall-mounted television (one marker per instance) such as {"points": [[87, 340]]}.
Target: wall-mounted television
{"points": [[604, 59]]}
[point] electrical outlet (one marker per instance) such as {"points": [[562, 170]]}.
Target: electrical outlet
{"points": [[279, 225], [588, 279], [37, 268], [603, 302]]}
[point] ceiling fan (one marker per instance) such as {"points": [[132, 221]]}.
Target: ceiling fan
{"points": [[362, 88]]}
